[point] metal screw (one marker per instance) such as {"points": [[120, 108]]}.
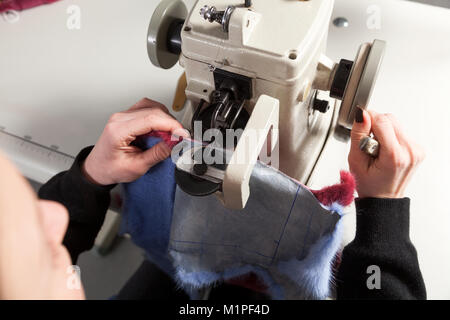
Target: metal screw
{"points": [[341, 22]]}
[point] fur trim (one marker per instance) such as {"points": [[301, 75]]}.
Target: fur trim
{"points": [[342, 193], [170, 140]]}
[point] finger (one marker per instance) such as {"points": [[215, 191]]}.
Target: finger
{"points": [[181, 132], [398, 128], [415, 151], [148, 103], [359, 131], [384, 132], [144, 112], [151, 122], [135, 114], [155, 154], [140, 109]]}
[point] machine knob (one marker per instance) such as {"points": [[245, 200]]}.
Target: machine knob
{"points": [[200, 169], [164, 33], [360, 82], [340, 80]]}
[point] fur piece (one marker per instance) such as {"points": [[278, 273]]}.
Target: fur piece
{"points": [[342, 193], [167, 137]]}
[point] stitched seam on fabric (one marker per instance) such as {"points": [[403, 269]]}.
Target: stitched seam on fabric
{"points": [[219, 245], [203, 240], [284, 227], [306, 235]]}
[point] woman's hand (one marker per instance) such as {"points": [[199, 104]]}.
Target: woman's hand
{"points": [[388, 175], [114, 159]]}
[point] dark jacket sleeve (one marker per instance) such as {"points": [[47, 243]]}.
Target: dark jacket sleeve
{"points": [[86, 202], [381, 241]]}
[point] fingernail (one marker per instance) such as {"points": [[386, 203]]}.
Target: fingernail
{"points": [[185, 133], [359, 118]]}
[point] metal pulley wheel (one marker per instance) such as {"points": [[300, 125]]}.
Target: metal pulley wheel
{"points": [[361, 81], [163, 37]]}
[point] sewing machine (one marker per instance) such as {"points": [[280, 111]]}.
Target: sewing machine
{"points": [[259, 67]]}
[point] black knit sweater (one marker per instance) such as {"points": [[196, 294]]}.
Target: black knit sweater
{"points": [[381, 241]]}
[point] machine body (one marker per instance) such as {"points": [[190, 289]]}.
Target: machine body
{"points": [[277, 46], [260, 65]]}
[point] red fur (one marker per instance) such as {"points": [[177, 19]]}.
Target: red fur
{"points": [[342, 193], [250, 281], [21, 4], [167, 137]]}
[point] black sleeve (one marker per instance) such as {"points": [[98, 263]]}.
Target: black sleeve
{"points": [[382, 240], [86, 202]]}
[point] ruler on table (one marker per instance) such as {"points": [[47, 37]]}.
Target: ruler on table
{"points": [[36, 161]]}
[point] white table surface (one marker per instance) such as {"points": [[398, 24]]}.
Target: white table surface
{"points": [[59, 86]]}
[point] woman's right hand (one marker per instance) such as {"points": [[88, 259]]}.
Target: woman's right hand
{"points": [[114, 159], [387, 175]]}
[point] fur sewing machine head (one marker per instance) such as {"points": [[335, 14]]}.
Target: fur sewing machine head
{"points": [[258, 68]]}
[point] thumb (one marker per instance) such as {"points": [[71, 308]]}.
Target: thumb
{"points": [[361, 128], [156, 154]]}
